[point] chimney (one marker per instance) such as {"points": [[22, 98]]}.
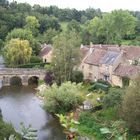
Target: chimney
{"points": [[91, 48]]}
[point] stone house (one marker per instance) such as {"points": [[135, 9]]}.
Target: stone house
{"points": [[46, 53], [110, 63]]}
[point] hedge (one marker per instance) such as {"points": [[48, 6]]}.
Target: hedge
{"points": [[32, 65]]}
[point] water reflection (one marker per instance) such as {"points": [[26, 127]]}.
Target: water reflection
{"points": [[19, 104]]}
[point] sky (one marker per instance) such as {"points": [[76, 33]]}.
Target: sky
{"points": [[104, 5]]}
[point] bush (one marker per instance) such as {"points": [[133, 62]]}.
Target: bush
{"points": [[89, 125], [35, 59], [113, 98], [77, 76], [131, 106], [62, 99], [32, 65], [6, 130]]}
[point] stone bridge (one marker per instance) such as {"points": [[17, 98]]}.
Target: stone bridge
{"points": [[6, 74]]}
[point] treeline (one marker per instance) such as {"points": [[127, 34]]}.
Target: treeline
{"points": [[12, 15], [35, 25]]}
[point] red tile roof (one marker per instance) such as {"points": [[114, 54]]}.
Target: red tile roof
{"points": [[46, 48], [95, 56], [127, 70], [131, 52]]}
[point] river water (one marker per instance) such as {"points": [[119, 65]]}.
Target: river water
{"points": [[19, 104]]}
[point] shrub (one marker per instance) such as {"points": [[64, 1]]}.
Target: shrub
{"points": [[32, 65], [77, 76], [89, 125], [6, 130], [131, 106], [113, 98], [62, 99], [49, 77], [35, 59]]}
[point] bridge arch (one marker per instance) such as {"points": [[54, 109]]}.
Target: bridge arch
{"points": [[33, 80], [15, 80]]}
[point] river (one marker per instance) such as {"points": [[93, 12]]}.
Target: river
{"points": [[19, 104]]}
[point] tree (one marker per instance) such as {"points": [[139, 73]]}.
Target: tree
{"points": [[32, 24], [66, 55], [131, 106], [62, 99], [111, 28], [74, 25], [48, 36], [25, 34], [113, 98], [47, 23], [17, 52]]}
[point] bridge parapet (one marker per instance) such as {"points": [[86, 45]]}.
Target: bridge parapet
{"points": [[24, 73]]}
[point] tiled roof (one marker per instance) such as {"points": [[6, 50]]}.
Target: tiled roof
{"points": [[109, 58], [46, 48], [131, 52], [127, 70], [95, 56], [84, 50]]}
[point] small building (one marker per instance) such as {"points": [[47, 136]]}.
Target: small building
{"points": [[46, 53], [87, 105]]}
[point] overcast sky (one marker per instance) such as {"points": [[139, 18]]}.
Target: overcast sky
{"points": [[104, 5]]}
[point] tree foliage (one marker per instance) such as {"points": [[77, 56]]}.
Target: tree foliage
{"points": [[32, 24], [17, 51], [111, 28], [61, 99], [131, 106], [66, 55]]}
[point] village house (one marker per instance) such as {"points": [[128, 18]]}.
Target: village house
{"points": [[111, 63], [46, 53]]}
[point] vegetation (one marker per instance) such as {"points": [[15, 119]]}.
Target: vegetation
{"points": [[131, 106], [6, 130], [62, 99], [113, 98], [17, 52], [66, 56]]}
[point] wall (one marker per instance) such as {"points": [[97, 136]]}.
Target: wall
{"points": [[90, 72], [47, 57], [117, 80]]}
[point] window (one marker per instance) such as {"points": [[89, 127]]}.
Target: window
{"points": [[82, 67]]}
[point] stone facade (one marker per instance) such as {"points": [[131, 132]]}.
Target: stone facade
{"points": [[110, 63], [7, 74]]}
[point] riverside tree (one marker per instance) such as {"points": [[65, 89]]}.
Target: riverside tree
{"points": [[62, 99], [66, 55], [17, 52]]}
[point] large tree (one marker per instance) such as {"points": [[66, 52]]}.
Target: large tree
{"points": [[17, 52], [32, 24], [25, 34], [131, 106], [111, 28], [66, 55]]}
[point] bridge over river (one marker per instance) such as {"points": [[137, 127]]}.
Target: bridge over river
{"points": [[7, 74]]}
